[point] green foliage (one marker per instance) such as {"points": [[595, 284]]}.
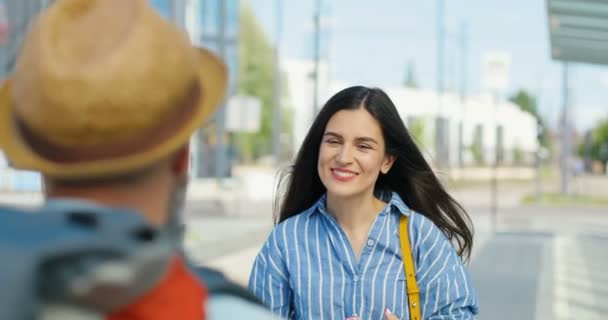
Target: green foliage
{"points": [[528, 103], [256, 79], [518, 155], [477, 148], [560, 200], [599, 142], [477, 151], [417, 129]]}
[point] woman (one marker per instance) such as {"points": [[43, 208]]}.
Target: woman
{"points": [[335, 253]]}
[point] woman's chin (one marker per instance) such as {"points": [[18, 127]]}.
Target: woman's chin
{"points": [[342, 192]]}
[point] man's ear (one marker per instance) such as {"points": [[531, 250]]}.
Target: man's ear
{"points": [[181, 161]]}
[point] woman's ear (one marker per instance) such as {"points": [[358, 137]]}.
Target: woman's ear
{"points": [[387, 163]]}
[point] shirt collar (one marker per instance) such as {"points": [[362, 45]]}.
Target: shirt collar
{"points": [[393, 200]]}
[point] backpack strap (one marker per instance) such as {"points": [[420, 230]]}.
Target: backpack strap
{"points": [[413, 293], [217, 284]]}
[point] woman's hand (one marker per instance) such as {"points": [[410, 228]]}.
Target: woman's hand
{"points": [[388, 315]]}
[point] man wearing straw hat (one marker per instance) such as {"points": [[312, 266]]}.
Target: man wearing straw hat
{"points": [[103, 101]]}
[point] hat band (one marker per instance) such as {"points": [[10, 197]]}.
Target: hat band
{"points": [[149, 139]]}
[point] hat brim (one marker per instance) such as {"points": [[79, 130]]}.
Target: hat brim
{"points": [[213, 78]]}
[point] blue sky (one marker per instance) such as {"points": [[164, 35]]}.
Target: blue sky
{"points": [[371, 42]]}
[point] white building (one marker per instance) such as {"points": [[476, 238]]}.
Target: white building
{"points": [[474, 121], [300, 84], [470, 123]]}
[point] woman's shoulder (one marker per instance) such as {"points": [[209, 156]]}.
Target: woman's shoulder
{"points": [[422, 225], [298, 220], [282, 238], [417, 222], [288, 231], [293, 224]]}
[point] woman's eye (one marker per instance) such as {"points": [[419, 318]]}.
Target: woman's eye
{"points": [[365, 146], [332, 141]]}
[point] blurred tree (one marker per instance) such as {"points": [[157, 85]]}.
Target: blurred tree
{"points": [[409, 80], [256, 79], [527, 103], [417, 129], [518, 155], [599, 141], [477, 152]]}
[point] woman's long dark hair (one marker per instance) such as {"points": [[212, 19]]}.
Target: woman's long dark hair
{"points": [[410, 176]]}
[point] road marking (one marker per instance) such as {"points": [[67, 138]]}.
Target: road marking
{"points": [[561, 295], [572, 282]]}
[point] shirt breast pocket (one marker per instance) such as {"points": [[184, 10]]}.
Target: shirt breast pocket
{"points": [[397, 302]]}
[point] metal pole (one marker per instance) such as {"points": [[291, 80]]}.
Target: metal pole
{"points": [[494, 179], [317, 36], [463, 91], [439, 134], [565, 154], [538, 159], [276, 115], [220, 151]]}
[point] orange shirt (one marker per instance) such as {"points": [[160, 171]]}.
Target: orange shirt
{"points": [[180, 295]]}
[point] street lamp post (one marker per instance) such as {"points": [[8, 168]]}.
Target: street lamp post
{"points": [[439, 123], [317, 55], [565, 154], [463, 92], [494, 177], [221, 161], [495, 77], [276, 115]]}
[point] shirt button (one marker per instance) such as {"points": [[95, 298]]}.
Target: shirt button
{"points": [[356, 278], [370, 242]]}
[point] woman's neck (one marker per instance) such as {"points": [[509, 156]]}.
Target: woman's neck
{"points": [[354, 213]]}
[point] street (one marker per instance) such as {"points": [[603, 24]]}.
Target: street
{"points": [[195, 119], [542, 262]]}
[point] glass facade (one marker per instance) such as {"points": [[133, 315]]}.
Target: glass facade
{"points": [[15, 18], [203, 21], [212, 24], [18, 14]]}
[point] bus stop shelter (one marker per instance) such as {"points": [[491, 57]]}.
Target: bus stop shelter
{"points": [[578, 31]]}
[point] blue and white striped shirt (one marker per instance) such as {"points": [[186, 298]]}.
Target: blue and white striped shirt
{"points": [[307, 269]]}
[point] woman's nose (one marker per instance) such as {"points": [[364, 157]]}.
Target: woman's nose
{"points": [[345, 155]]}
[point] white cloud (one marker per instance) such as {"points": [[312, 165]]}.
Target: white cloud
{"points": [[586, 117]]}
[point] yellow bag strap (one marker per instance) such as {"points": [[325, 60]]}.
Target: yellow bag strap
{"points": [[413, 293]]}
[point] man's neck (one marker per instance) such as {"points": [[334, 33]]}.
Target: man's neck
{"points": [[153, 208]]}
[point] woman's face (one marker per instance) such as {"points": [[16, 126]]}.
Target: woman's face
{"points": [[352, 154]]}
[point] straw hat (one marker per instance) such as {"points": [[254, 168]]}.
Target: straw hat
{"points": [[104, 87]]}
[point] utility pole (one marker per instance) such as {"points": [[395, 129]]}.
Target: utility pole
{"points": [[538, 160], [463, 91], [439, 123], [221, 159], [494, 177], [565, 154], [317, 55], [276, 115]]}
